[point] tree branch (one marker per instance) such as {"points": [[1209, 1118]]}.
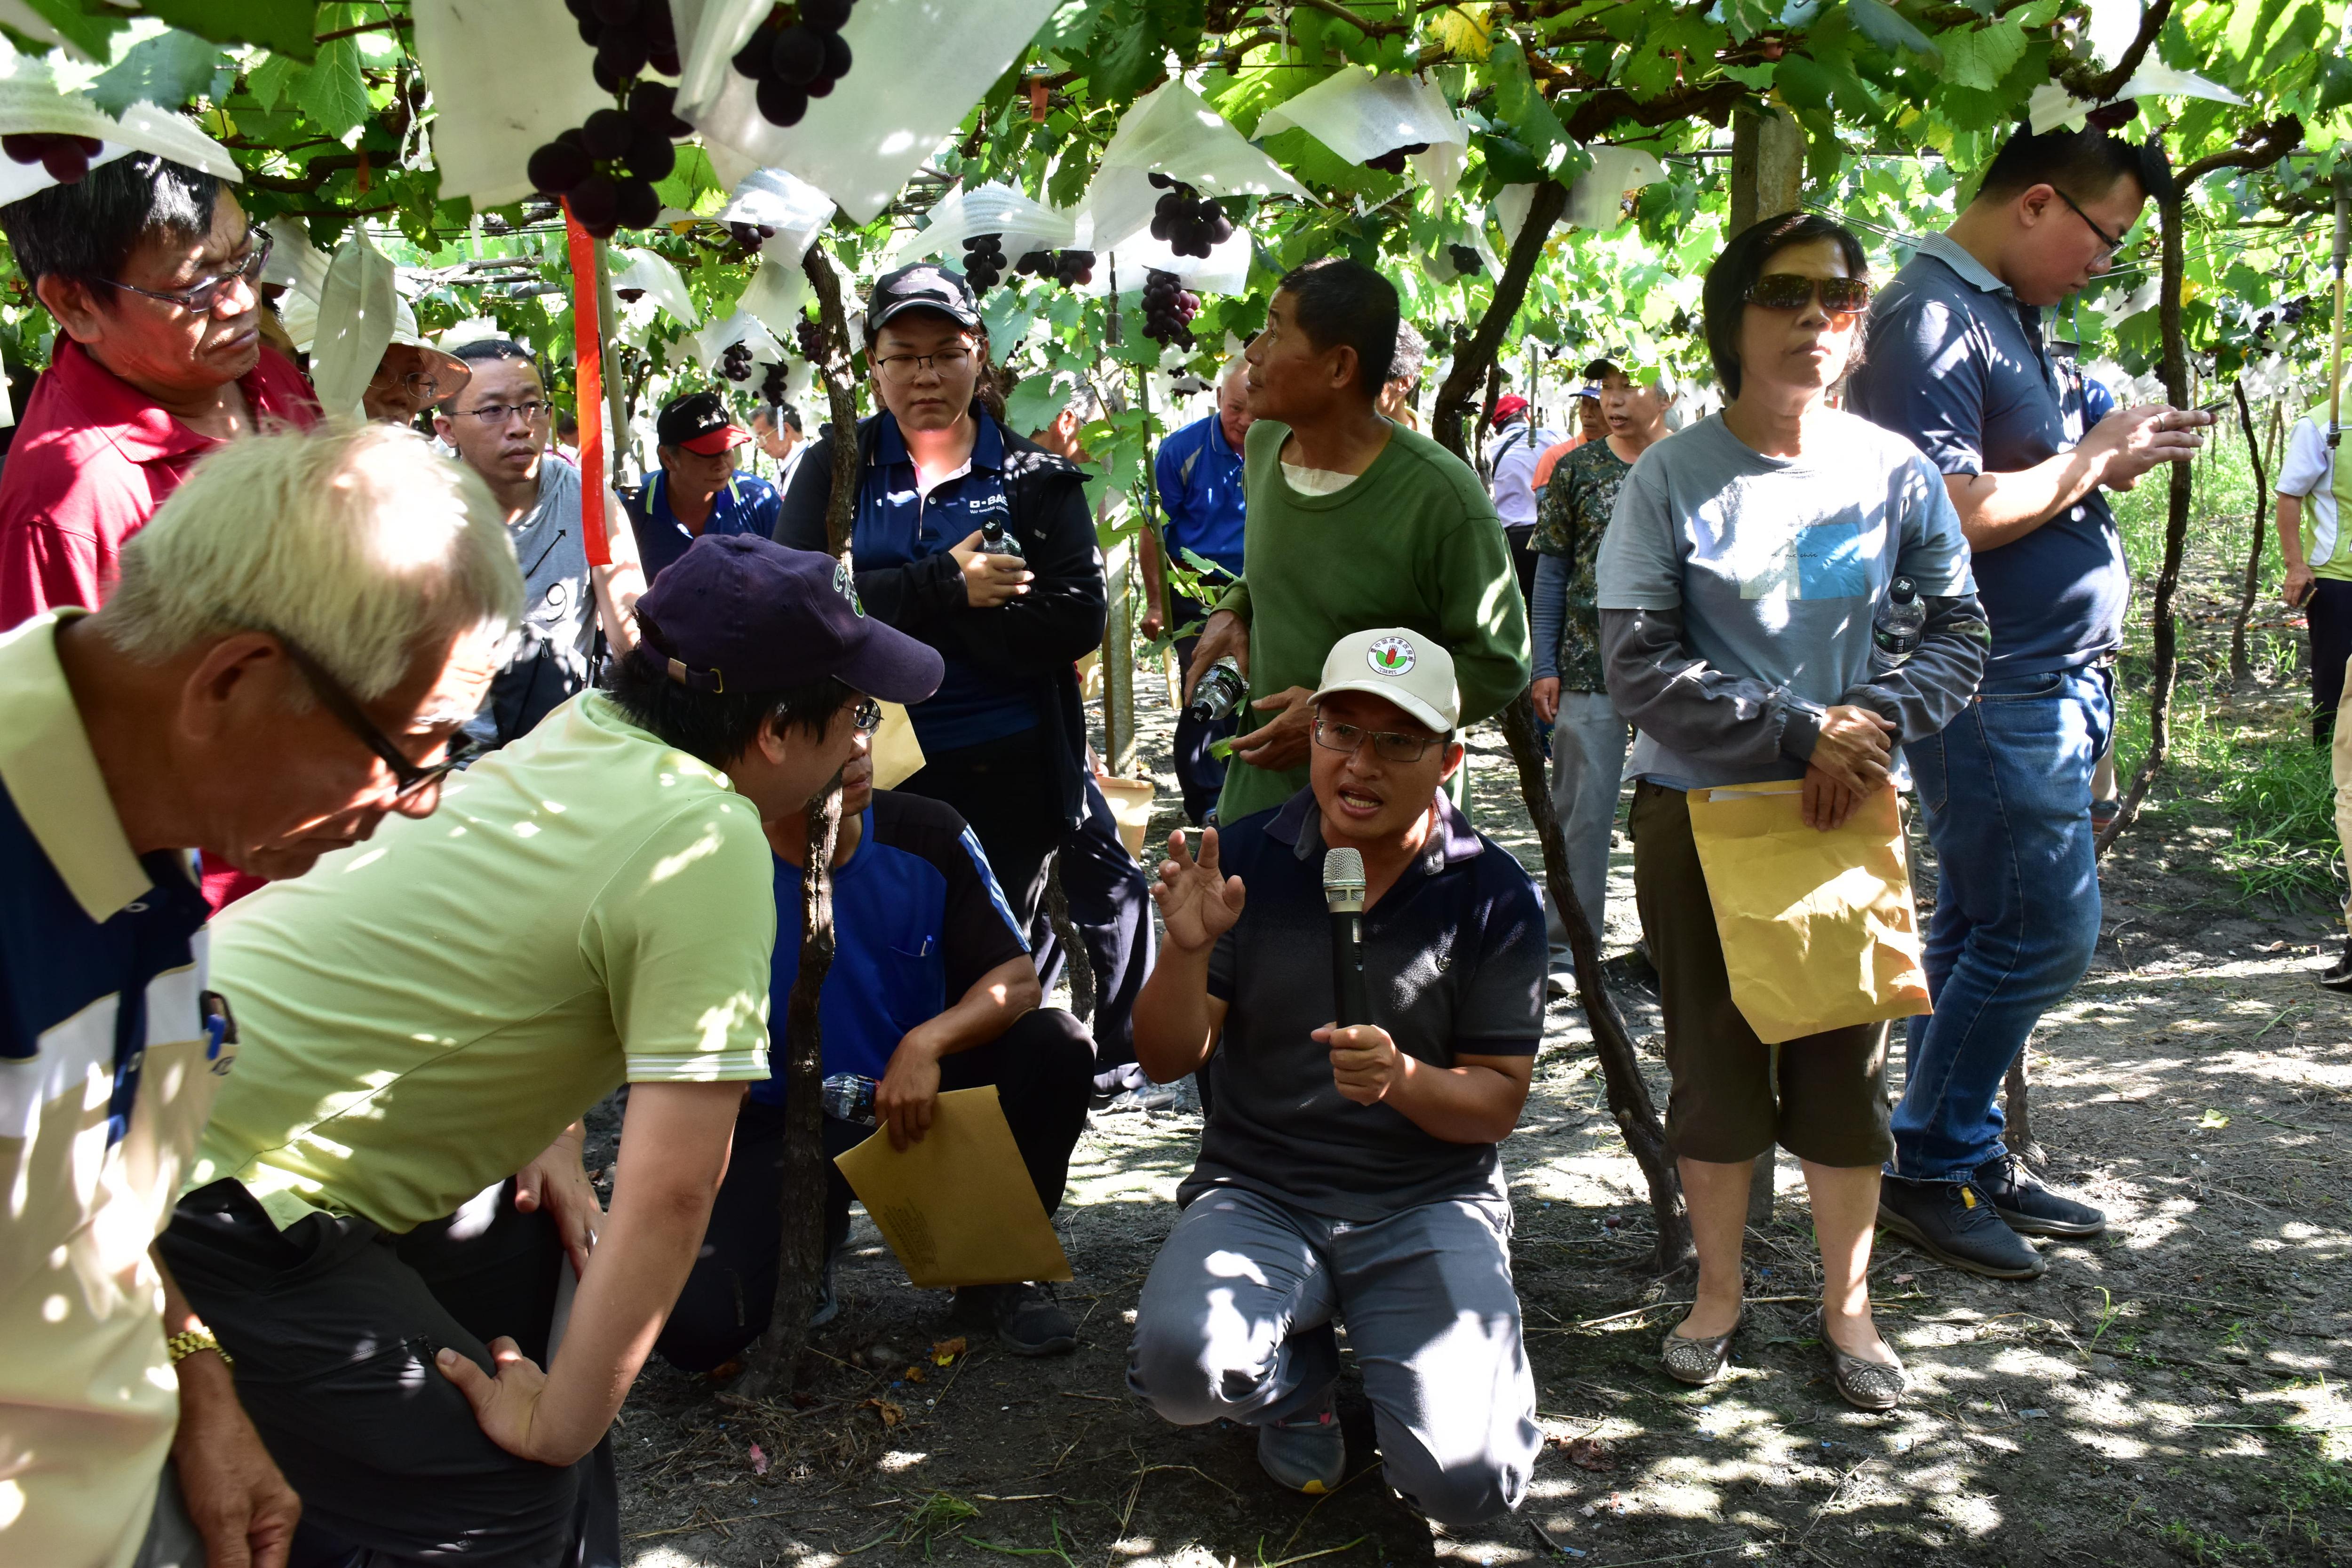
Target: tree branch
{"points": [[2279, 138], [1549, 201], [2094, 88]]}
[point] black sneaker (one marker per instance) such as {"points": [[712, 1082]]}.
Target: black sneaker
{"points": [[1028, 1321], [2028, 1207], [1952, 1223], [2338, 976]]}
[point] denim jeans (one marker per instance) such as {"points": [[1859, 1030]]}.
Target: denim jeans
{"points": [[1587, 771], [2007, 790]]}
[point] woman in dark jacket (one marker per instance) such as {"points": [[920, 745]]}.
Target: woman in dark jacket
{"points": [[1004, 737]]}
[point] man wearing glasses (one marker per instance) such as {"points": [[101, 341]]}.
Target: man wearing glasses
{"points": [[1958, 361], [153, 274], [375, 1221], [498, 423], [1351, 1173], [294, 640], [412, 375]]}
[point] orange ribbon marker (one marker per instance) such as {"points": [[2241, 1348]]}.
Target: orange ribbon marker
{"points": [[589, 346]]}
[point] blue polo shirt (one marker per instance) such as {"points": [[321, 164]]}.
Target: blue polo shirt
{"points": [[917, 917], [1200, 493], [1957, 363], [899, 522], [748, 504], [1454, 964]]}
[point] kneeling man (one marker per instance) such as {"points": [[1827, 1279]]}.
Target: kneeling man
{"points": [[1351, 1175], [917, 919]]}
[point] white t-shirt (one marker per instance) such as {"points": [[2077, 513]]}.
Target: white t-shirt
{"points": [[2309, 471], [1310, 481]]}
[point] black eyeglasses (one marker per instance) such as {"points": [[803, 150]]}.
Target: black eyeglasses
{"points": [[412, 781], [867, 715], [2109, 240], [1794, 291], [199, 298], [495, 415], [1387, 744]]}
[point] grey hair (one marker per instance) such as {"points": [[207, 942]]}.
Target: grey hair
{"points": [[358, 542]]}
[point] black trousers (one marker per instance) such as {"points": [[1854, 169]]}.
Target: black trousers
{"points": [[1043, 1068], [1200, 775], [1006, 791], [334, 1325], [1109, 901], [1523, 562], [2330, 609]]}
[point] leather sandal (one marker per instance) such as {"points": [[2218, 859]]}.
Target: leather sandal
{"points": [[1698, 1361], [1864, 1384]]}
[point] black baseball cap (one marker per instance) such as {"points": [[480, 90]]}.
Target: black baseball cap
{"points": [[740, 613], [700, 422], [925, 285]]}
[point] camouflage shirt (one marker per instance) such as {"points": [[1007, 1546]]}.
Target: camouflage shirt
{"points": [[1570, 516]]}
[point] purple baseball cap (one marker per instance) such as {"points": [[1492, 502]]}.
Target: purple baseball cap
{"points": [[740, 613]]}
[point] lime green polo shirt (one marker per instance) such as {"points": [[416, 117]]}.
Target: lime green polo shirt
{"points": [[426, 1011]]}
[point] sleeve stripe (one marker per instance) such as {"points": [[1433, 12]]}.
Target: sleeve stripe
{"points": [[988, 880], [699, 1066]]}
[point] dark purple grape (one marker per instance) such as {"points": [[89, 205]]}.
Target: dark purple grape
{"points": [[810, 335], [558, 166], [608, 79], [837, 55], [572, 138], [830, 14], [25, 149], [781, 104], [751, 59], [639, 204], [651, 157], [653, 105], [591, 30], [1161, 181], [798, 56], [594, 201], [624, 49], [65, 163], [665, 60], [821, 87], [582, 10], [1465, 260], [1221, 229], [607, 134]]}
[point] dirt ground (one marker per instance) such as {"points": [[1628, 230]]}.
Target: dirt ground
{"points": [[2169, 1392]]}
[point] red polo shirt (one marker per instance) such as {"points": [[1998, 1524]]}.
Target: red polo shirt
{"points": [[92, 460]]}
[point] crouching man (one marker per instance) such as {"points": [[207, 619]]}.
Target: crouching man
{"points": [[1351, 1175], [932, 988]]}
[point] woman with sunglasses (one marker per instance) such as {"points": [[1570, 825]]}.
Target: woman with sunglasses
{"points": [[1736, 585]]}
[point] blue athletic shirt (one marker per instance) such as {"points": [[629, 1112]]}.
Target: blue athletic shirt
{"points": [[748, 505], [917, 917], [1200, 493]]}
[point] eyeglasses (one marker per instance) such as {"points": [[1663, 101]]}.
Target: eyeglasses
{"points": [[1794, 291], [1387, 744], [2109, 240], [497, 413], [416, 384], [900, 369], [867, 715], [412, 782], [201, 297]]}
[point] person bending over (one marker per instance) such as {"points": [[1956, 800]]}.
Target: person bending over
{"points": [[917, 919], [430, 1014], [1351, 1173]]}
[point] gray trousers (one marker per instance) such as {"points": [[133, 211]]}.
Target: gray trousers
{"points": [[1587, 769], [1235, 1321]]}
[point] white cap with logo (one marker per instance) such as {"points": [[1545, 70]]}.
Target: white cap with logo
{"points": [[1412, 671]]}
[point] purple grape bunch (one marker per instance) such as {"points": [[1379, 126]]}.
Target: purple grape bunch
{"points": [[1393, 160], [67, 158], [628, 35], [1188, 223], [797, 54], [1069, 268], [606, 166], [1167, 309]]}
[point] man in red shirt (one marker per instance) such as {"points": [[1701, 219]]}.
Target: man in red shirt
{"points": [[152, 273]]}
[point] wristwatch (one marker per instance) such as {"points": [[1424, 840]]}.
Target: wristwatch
{"points": [[188, 1342]]}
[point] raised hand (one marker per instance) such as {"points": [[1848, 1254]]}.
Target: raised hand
{"points": [[1197, 901]]}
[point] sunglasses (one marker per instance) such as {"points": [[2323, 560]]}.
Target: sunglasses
{"points": [[411, 782], [1794, 291], [200, 299]]}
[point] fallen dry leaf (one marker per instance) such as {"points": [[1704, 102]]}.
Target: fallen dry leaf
{"points": [[915, 1374], [944, 1352], [1587, 1453], [890, 1413]]}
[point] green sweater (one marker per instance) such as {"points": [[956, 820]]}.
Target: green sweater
{"points": [[1414, 541]]}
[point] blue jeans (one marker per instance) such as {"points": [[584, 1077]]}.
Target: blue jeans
{"points": [[2007, 788]]}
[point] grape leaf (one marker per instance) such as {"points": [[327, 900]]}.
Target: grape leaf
{"points": [[281, 26], [1980, 56], [1129, 53], [170, 69], [1885, 27], [92, 34], [1466, 34], [332, 92], [269, 80]]}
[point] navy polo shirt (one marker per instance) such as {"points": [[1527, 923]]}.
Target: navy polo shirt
{"points": [[1199, 476], [1454, 966], [748, 504], [899, 522], [1957, 363], [917, 917]]}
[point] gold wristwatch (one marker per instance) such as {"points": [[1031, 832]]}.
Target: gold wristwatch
{"points": [[188, 1342]]}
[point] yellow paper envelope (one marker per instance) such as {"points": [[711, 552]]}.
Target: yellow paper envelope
{"points": [[898, 755], [958, 1208], [1818, 928]]}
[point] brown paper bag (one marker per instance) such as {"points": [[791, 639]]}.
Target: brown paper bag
{"points": [[958, 1208], [898, 755], [1818, 928]]}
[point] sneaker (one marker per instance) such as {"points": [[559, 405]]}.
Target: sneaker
{"points": [[2338, 976], [2028, 1207], [1952, 1223], [1306, 1453], [1028, 1321], [828, 1305]]}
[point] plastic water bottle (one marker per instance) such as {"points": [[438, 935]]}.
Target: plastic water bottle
{"points": [[996, 540], [1896, 626], [1221, 690], [848, 1096]]}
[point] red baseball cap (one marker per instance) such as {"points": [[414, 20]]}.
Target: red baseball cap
{"points": [[698, 422], [1510, 403]]}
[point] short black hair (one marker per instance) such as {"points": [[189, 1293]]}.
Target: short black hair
{"points": [[480, 350], [1735, 273], [87, 231], [1600, 370], [789, 415], [1342, 303], [2083, 163], [716, 726], [1411, 355]]}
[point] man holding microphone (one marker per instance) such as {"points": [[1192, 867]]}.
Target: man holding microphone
{"points": [[1958, 361]]}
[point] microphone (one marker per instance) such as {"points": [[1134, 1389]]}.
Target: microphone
{"points": [[1343, 892]]}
